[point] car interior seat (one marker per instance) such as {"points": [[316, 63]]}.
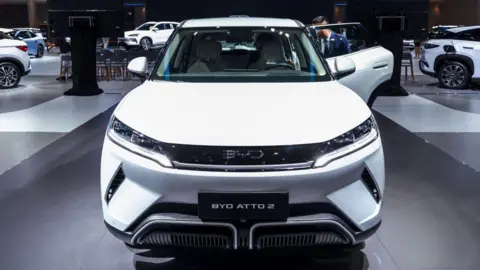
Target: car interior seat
{"points": [[271, 53], [208, 58]]}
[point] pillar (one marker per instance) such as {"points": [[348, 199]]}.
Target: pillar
{"points": [[32, 13]]}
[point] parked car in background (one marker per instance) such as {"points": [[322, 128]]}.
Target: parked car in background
{"points": [[408, 44], [439, 30], [14, 61], [453, 57], [35, 41], [151, 34]]}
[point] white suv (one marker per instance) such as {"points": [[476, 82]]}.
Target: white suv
{"points": [[232, 144], [150, 34], [14, 61], [453, 57]]}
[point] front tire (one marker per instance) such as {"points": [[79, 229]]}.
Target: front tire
{"points": [[146, 43], [454, 75], [9, 75], [40, 51]]}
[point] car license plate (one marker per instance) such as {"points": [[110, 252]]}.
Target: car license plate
{"points": [[243, 206]]}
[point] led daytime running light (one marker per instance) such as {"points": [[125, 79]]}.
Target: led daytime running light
{"points": [[137, 143]]}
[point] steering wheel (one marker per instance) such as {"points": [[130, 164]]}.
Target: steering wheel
{"points": [[280, 65]]}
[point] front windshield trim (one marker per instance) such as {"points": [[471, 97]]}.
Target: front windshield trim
{"points": [[153, 74]]}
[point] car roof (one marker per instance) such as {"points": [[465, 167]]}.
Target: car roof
{"points": [[240, 21], [461, 29], [166, 22]]}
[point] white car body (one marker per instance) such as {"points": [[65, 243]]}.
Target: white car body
{"points": [[284, 115], [157, 34], [10, 52], [408, 44], [464, 49]]}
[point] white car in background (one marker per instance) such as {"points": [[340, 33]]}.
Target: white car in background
{"points": [[408, 44], [453, 57], [14, 61], [151, 34]]}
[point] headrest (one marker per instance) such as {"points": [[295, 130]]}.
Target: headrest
{"points": [[209, 49], [272, 50]]}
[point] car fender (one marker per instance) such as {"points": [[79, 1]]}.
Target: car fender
{"points": [[15, 61], [453, 57]]}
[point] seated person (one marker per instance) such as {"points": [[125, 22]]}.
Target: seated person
{"points": [[208, 58]]}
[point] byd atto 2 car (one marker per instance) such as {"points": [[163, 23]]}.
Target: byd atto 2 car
{"points": [[244, 138]]}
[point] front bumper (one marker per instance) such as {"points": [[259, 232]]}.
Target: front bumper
{"points": [[158, 207], [129, 42], [424, 68], [28, 70]]}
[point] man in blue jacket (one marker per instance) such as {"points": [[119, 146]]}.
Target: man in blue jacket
{"points": [[331, 43]]}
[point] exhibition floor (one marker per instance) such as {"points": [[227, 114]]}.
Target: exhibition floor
{"points": [[49, 183]]}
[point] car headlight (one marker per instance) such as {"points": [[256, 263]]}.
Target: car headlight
{"points": [[348, 142], [137, 143], [133, 35]]}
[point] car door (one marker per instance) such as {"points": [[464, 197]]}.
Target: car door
{"points": [[373, 63], [468, 43]]}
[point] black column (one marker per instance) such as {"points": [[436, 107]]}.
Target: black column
{"points": [[83, 46], [393, 41]]}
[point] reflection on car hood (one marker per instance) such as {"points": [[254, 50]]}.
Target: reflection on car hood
{"points": [[242, 114]]}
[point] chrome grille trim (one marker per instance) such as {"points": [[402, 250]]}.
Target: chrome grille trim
{"points": [[186, 240], [247, 168], [292, 223], [299, 240], [144, 229]]}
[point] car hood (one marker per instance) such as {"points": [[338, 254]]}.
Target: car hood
{"points": [[242, 114], [11, 43]]}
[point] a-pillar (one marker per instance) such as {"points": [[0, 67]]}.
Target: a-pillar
{"points": [[32, 13]]}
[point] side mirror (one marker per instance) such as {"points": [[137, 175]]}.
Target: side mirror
{"points": [[344, 66], [20, 38], [138, 67]]}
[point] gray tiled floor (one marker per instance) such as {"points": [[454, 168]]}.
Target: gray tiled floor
{"points": [[430, 216], [18, 146], [51, 212], [462, 146]]}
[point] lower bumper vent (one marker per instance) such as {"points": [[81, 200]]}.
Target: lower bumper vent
{"points": [[300, 240], [186, 240]]}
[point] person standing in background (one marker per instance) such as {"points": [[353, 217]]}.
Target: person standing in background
{"points": [[331, 43], [417, 48], [64, 48]]}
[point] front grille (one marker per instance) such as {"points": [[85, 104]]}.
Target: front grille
{"points": [[192, 240], [299, 240], [243, 156]]}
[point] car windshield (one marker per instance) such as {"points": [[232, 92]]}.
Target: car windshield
{"points": [[241, 54], [145, 26]]}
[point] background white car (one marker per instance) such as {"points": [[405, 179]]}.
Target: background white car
{"points": [[408, 44], [14, 61], [452, 57], [151, 34]]}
